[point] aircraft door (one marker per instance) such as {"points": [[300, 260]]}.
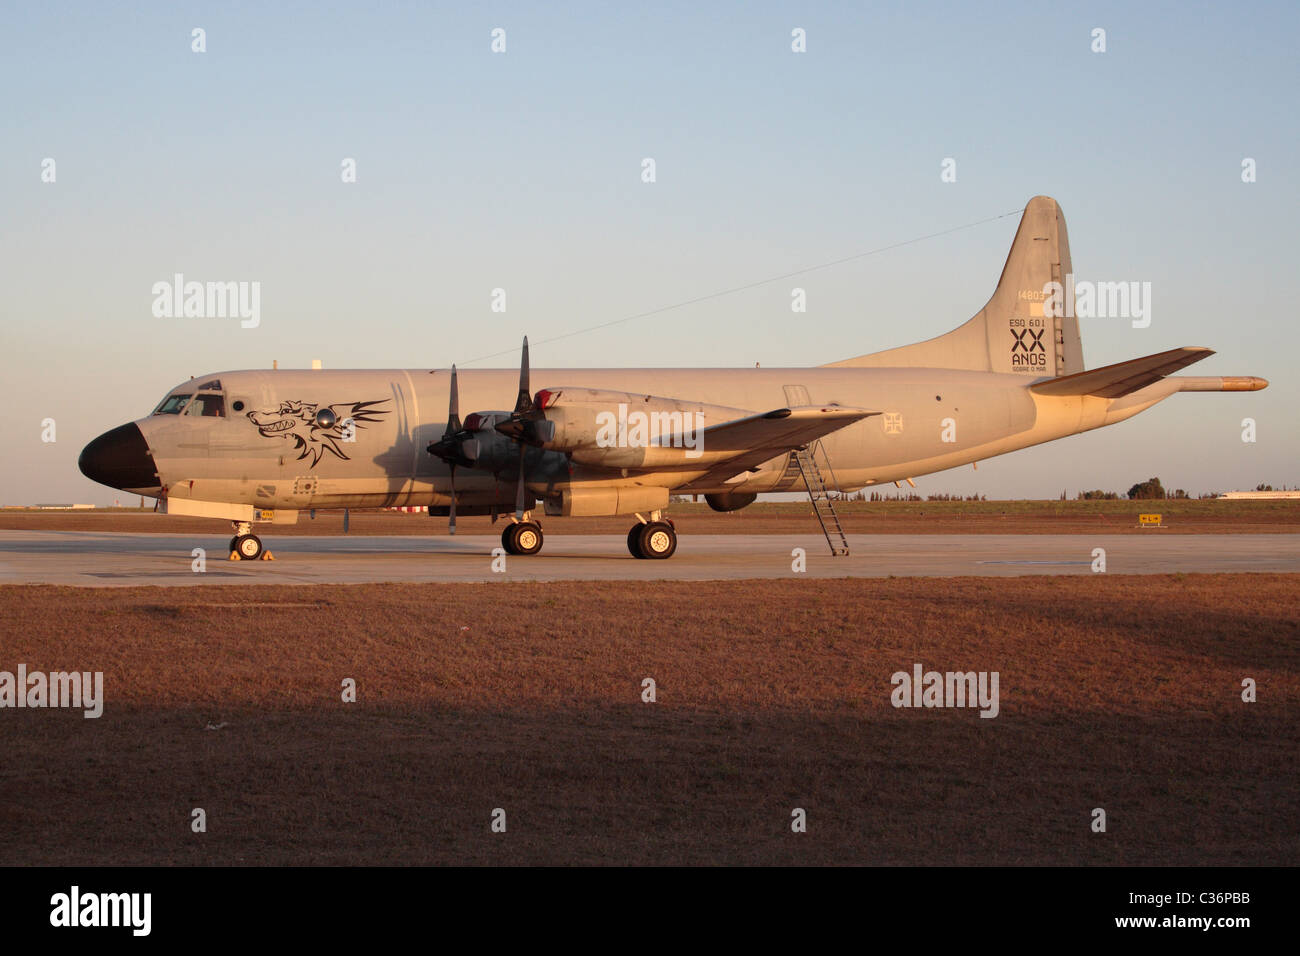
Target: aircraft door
{"points": [[796, 395]]}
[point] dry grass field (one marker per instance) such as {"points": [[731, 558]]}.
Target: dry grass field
{"points": [[1116, 692], [885, 517]]}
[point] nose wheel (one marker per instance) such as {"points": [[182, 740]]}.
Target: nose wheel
{"points": [[246, 546]]}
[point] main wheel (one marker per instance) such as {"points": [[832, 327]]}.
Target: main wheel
{"points": [[528, 538], [634, 540], [508, 534], [248, 547], [658, 540]]}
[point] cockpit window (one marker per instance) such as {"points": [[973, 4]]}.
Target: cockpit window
{"points": [[210, 406], [172, 405]]}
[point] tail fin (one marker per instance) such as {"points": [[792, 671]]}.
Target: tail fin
{"points": [[1010, 334]]}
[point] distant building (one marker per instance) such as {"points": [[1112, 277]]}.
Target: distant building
{"points": [[65, 507], [1253, 495]]}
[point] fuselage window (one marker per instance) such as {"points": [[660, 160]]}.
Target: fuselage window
{"points": [[209, 406], [172, 405]]}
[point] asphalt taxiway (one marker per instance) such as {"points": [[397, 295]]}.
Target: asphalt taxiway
{"points": [[90, 559]]}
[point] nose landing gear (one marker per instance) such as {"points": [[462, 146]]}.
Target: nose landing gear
{"points": [[246, 546]]}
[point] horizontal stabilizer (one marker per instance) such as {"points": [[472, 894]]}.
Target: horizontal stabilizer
{"points": [[1116, 381]]}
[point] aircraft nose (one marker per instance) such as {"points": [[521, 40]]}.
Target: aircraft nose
{"points": [[120, 459]]}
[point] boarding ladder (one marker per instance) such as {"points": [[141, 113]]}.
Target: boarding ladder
{"points": [[805, 459]]}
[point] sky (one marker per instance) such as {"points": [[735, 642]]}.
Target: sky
{"points": [[522, 170]]}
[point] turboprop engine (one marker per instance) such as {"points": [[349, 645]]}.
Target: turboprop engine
{"points": [[492, 451], [627, 430]]}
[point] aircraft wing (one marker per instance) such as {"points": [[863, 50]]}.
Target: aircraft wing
{"points": [[1116, 381], [757, 438]]}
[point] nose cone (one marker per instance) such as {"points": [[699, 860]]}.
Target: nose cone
{"points": [[120, 459]]}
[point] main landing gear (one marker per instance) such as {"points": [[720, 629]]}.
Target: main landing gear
{"points": [[522, 537], [246, 546], [655, 538]]}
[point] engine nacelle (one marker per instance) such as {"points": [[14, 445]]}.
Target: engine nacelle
{"points": [[627, 430], [492, 450], [606, 500], [731, 501]]}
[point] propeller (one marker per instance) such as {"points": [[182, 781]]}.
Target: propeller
{"points": [[458, 446], [527, 425]]}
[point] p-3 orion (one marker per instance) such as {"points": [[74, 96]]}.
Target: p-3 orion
{"points": [[261, 446]]}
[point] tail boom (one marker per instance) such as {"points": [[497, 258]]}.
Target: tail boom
{"points": [[1220, 383]]}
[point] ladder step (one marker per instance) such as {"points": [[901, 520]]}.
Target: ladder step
{"points": [[804, 459]]}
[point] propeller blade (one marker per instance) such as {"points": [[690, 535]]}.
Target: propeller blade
{"points": [[524, 402], [453, 410], [451, 514], [522, 425], [452, 446], [519, 491]]}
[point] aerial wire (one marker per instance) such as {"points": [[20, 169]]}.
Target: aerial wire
{"points": [[750, 285]]}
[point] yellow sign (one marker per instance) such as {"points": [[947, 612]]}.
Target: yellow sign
{"points": [[1149, 521], [268, 515]]}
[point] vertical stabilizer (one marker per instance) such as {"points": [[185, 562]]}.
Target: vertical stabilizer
{"points": [[1010, 334]]}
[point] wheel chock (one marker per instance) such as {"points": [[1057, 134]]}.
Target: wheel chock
{"points": [[267, 556], [234, 556]]}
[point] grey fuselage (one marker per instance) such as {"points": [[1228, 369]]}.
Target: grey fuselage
{"points": [[264, 452]]}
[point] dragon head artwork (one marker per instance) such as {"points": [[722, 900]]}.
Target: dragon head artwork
{"points": [[314, 434]]}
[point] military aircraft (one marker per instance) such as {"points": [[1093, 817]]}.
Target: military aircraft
{"points": [[262, 446]]}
